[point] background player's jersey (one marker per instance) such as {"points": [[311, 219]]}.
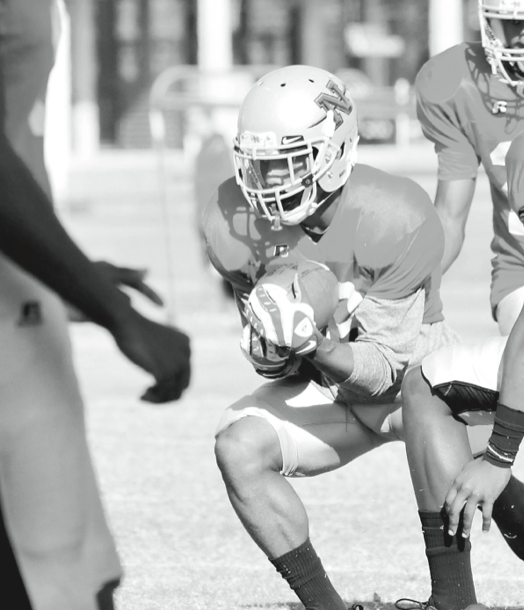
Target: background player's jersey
{"points": [[473, 118], [27, 49], [385, 241]]}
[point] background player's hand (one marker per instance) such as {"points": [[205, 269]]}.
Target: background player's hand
{"points": [[161, 350], [283, 322], [130, 278], [121, 277], [478, 484], [269, 360]]}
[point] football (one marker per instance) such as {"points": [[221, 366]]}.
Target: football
{"points": [[307, 282]]}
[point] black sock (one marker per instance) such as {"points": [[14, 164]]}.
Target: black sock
{"points": [[508, 514], [449, 563], [305, 574]]}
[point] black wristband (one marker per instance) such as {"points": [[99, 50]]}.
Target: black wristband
{"points": [[508, 431]]}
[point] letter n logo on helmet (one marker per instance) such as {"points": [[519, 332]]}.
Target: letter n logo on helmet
{"points": [[337, 102]]}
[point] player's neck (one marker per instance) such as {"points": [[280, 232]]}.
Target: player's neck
{"points": [[319, 222]]}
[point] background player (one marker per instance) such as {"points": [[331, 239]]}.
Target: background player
{"points": [[52, 510], [470, 105], [299, 195]]}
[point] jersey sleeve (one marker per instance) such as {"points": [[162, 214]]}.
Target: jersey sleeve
{"points": [[413, 259], [388, 331], [228, 256], [440, 124]]}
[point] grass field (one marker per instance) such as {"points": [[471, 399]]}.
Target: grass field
{"points": [[181, 544]]}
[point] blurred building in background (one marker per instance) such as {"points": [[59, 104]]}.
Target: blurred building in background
{"points": [[119, 47]]}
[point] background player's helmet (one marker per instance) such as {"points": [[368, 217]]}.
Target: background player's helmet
{"points": [[500, 56], [297, 130]]}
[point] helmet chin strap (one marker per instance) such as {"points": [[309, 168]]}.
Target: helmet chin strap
{"points": [[276, 224]]}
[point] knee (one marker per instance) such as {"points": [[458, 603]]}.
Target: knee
{"points": [[415, 392], [247, 446]]}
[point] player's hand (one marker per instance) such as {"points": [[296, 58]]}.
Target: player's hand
{"points": [[121, 277], [161, 350], [269, 360], [478, 484], [283, 322]]}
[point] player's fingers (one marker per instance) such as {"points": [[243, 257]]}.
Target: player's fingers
{"points": [[487, 511], [148, 292], [170, 389], [134, 278], [163, 392], [453, 510], [450, 497], [469, 511]]}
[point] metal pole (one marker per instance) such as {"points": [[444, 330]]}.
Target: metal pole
{"points": [[446, 24], [215, 44]]}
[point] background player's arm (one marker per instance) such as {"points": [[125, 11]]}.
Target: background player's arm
{"points": [[458, 161], [512, 386], [32, 236], [483, 480], [453, 203]]}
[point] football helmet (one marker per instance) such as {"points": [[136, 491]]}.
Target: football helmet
{"points": [[297, 131], [502, 58]]}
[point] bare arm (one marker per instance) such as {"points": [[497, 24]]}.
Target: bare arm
{"points": [[32, 236], [512, 387], [482, 481], [453, 203]]}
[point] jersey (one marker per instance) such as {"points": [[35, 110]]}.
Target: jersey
{"points": [[384, 243], [27, 37], [473, 118]]}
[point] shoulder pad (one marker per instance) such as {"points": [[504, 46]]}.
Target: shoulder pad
{"points": [[441, 76]]}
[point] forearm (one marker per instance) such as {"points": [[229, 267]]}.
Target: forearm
{"points": [[512, 385], [387, 334], [454, 240], [333, 359], [453, 202], [32, 236], [508, 428]]}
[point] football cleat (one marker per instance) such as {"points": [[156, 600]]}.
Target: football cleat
{"points": [[406, 603]]}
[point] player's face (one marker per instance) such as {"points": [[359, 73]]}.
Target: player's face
{"points": [[277, 172], [509, 31]]}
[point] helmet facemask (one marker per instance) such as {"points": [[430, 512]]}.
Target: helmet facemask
{"points": [[506, 61]]}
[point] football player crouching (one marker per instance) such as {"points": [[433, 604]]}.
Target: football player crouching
{"points": [[332, 393]]}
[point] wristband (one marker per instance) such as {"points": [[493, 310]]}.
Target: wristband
{"points": [[508, 431]]}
